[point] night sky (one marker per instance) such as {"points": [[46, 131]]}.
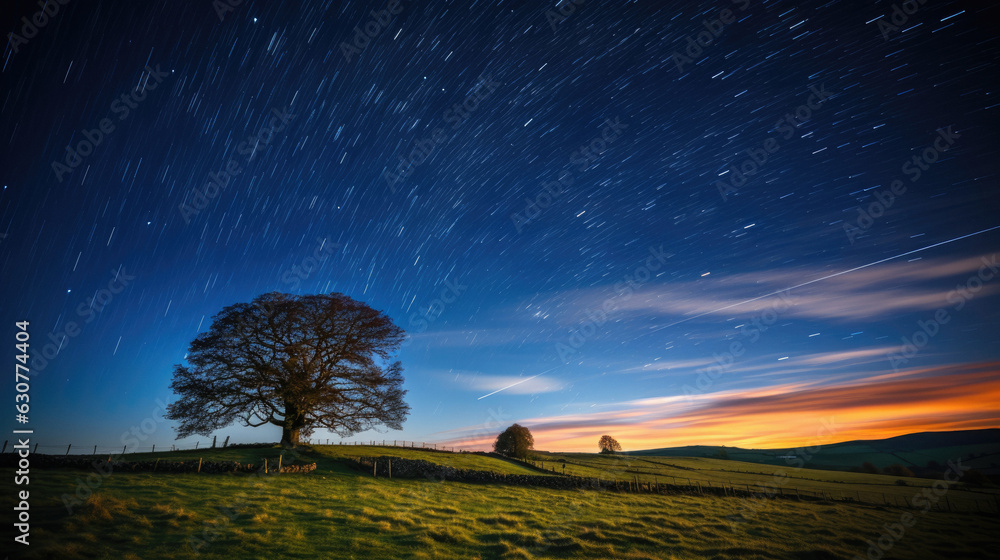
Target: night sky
{"points": [[721, 222]]}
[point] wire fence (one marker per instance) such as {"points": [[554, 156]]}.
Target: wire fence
{"points": [[395, 443], [77, 449]]}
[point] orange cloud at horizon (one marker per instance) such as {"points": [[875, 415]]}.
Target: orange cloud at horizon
{"points": [[944, 398]]}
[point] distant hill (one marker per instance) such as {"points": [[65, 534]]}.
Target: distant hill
{"points": [[979, 449]]}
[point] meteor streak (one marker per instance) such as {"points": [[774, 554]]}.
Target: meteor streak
{"points": [[966, 236]]}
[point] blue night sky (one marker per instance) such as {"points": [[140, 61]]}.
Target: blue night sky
{"points": [[600, 223]]}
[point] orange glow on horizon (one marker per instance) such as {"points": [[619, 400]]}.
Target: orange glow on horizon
{"points": [[954, 397]]}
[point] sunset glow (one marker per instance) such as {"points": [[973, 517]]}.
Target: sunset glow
{"points": [[959, 397]]}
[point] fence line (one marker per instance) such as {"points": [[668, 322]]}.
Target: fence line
{"points": [[395, 443], [74, 449]]}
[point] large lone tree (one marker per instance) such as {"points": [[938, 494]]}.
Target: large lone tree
{"points": [[299, 362]]}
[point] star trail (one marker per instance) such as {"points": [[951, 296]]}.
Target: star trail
{"points": [[712, 222]]}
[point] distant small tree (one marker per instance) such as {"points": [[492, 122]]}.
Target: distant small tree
{"points": [[868, 467], [897, 470], [608, 444], [516, 441]]}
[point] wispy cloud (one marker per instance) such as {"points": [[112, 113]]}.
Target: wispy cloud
{"points": [[866, 294]]}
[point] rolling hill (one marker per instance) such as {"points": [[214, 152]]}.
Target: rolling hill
{"points": [[979, 449]]}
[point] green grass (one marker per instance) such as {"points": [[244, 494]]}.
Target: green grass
{"points": [[471, 461], [877, 489], [337, 512]]}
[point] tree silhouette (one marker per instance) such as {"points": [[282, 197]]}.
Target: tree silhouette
{"points": [[896, 469], [299, 362], [609, 444], [516, 441], [868, 467]]}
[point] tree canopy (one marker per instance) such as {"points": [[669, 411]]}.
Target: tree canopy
{"points": [[516, 441], [609, 444], [298, 362]]}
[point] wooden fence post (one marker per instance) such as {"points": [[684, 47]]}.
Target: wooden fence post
{"points": [[156, 464], [199, 464], [225, 444], [374, 468], [67, 448], [123, 449], [95, 450], [280, 457], [390, 469], [265, 465], [5, 445], [196, 444], [213, 441]]}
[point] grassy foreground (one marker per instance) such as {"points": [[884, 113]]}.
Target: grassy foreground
{"points": [[336, 512]]}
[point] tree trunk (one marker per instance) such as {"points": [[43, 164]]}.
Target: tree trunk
{"points": [[289, 436], [294, 421]]}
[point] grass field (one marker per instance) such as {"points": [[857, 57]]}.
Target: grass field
{"points": [[337, 512], [871, 488]]}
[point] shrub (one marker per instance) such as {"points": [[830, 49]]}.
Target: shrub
{"points": [[896, 469], [516, 441]]}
